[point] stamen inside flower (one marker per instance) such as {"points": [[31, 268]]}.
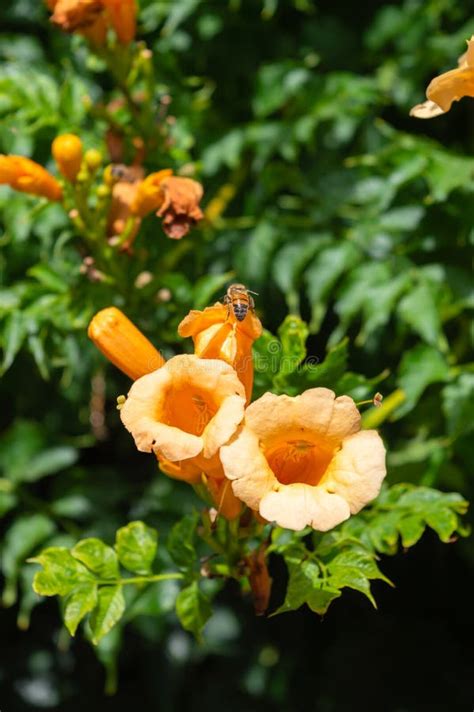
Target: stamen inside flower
{"points": [[189, 411], [300, 461]]}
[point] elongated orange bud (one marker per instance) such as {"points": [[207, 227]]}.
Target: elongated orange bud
{"points": [[122, 17], [123, 344], [27, 176], [149, 195], [67, 152]]}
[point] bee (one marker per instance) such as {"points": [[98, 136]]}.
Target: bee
{"points": [[239, 300]]}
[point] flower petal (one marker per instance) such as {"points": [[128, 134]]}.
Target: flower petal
{"points": [[316, 412], [245, 464], [223, 425], [427, 110], [357, 470], [298, 506], [140, 414]]}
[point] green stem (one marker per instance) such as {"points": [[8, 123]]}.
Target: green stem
{"points": [[140, 579]]}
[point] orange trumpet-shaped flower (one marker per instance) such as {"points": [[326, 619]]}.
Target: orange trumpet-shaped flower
{"points": [[27, 176], [217, 334], [123, 344], [72, 15], [149, 194], [67, 152], [184, 412], [304, 461], [122, 15], [448, 87], [180, 207]]}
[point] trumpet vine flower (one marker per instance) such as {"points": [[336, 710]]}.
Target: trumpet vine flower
{"points": [[304, 461]]}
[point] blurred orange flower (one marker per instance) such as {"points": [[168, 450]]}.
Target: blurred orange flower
{"points": [[92, 18], [67, 152], [124, 191], [76, 15], [123, 344], [180, 207], [448, 87], [303, 461], [27, 176], [217, 334], [122, 15], [149, 194]]}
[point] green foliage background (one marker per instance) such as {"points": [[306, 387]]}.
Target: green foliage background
{"points": [[348, 214]]}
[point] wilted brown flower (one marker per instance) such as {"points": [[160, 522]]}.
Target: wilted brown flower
{"points": [[180, 207]]}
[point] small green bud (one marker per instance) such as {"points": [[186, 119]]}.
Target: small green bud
{"points": [[93, 159], [103, 191]]}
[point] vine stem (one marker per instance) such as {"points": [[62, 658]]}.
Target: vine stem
{"points": [[140, 579]]}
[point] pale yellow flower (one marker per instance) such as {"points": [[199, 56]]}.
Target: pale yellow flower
{"points": [[303, 461], [448, 87], [185, 411]]}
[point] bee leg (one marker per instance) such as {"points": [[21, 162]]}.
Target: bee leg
{"points": [[228, 304]]}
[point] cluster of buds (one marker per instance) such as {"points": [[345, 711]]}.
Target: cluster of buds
{"points": [[297, 461], [93, 18], [123, 197]]}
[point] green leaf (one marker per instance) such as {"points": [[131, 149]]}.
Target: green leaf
{"points": [[352, 578], [180, 543], [303, 579], [293, 333], [81, 601], [276, 84], [320, 599], [98, 557], [48, 278], [61, 572], [288, 265], [108, 611], [411, 530], [208, 287], [12, 338], [327, 373], [193, 609], [136, 546], [358, 558], [24, 535], [458, 405], [49, 462], [255, 259], [419, 309], [323, 274], [419, 368]]}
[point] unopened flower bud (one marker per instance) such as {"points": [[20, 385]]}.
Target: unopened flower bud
{"points": [[378, 398], [93, 159], [143, 279], [103, 191], [67, 152], [163, 295]]}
